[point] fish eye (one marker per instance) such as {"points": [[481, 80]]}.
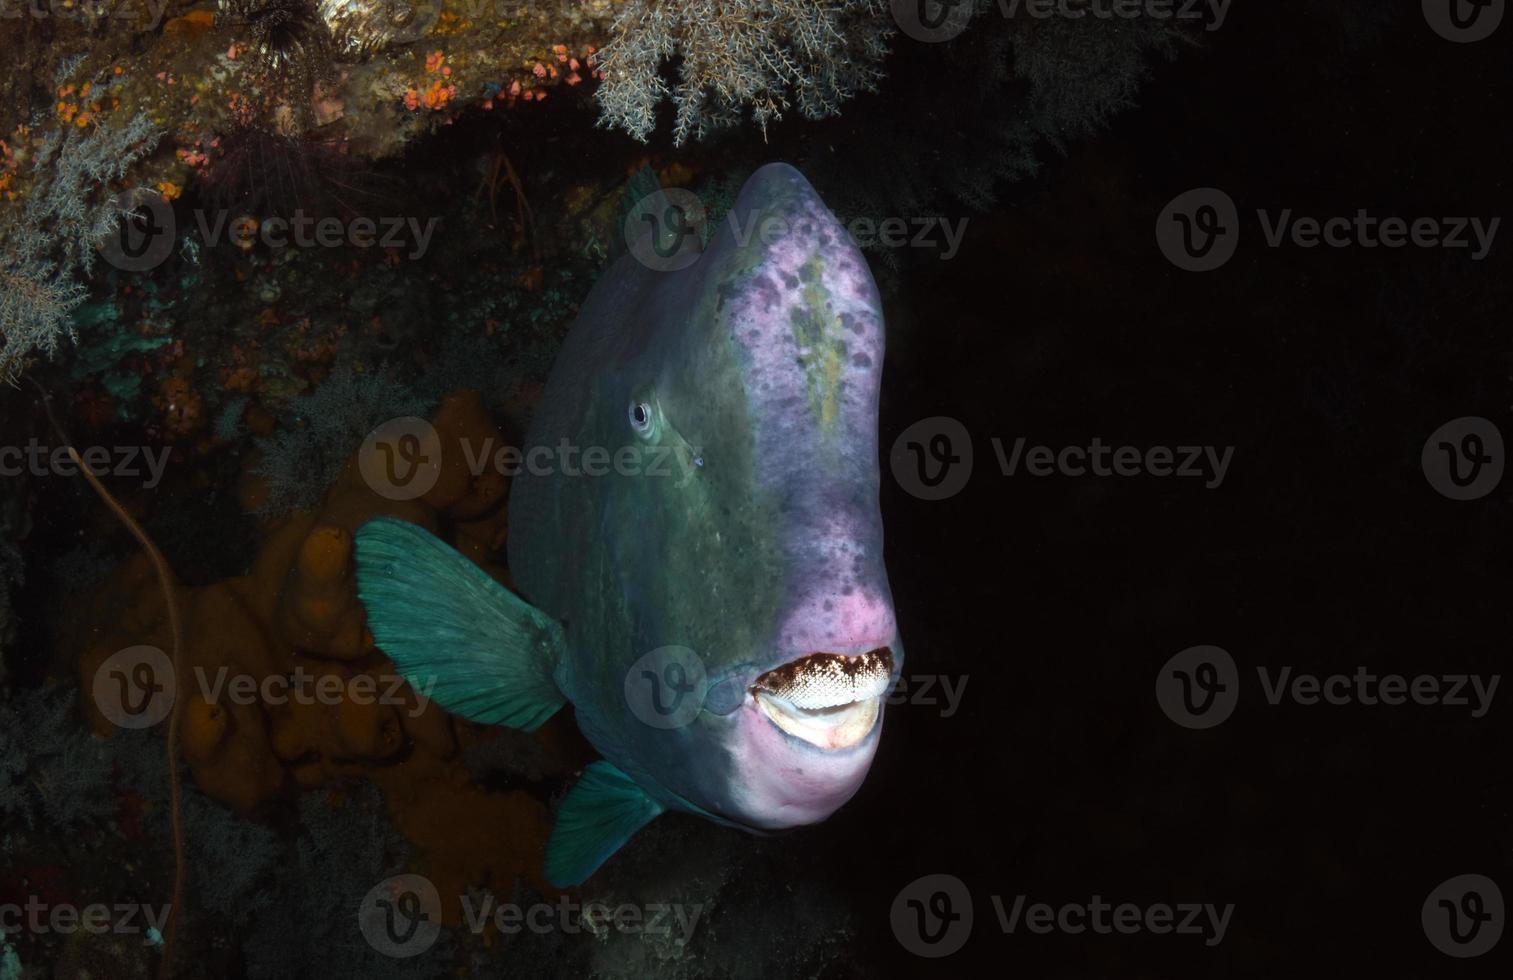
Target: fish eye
{"points": [[640, 416]]}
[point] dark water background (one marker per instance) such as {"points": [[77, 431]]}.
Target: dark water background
{"points": [[1325, 548]]}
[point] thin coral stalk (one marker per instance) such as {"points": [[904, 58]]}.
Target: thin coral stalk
{"points": [[168, 584]]}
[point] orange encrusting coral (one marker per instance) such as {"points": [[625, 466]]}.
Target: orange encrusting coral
{"points": [[325, 705]]}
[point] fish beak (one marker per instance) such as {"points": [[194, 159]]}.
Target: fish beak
{"points": [[829, 700]]}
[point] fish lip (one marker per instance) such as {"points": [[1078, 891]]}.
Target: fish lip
{"points": [[835, 729], [831, 701]]}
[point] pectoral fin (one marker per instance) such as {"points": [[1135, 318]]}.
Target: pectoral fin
{"points": [[458, 636], [600, 814]]}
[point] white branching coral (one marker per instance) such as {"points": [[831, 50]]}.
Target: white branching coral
{"points": [[48, 243], [735, 56]]}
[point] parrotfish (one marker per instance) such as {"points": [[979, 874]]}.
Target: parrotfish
{"points": [[722, 624]]}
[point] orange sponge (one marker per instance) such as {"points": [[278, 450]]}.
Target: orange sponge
{"points": [[283, 687]]}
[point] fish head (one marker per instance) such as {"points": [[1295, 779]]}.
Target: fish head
{"points": [[753, 379]]}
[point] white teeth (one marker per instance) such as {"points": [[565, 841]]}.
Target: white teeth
{"points": [[829, 680], [827, 699], [828, 728]]}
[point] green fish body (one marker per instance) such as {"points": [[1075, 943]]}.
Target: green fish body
{"points": [[710, 596]]}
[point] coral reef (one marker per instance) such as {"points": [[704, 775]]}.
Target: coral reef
{"points": [[371, 74], [267, 108], [342, 850], [286, 44], [65, 793], [263, 101], [294, 622], [48, 243], [302, 459], [53, 774], [739, 55], [66, 797]]}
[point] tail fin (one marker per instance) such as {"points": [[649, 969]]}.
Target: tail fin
{"points": [[459, 637]]}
